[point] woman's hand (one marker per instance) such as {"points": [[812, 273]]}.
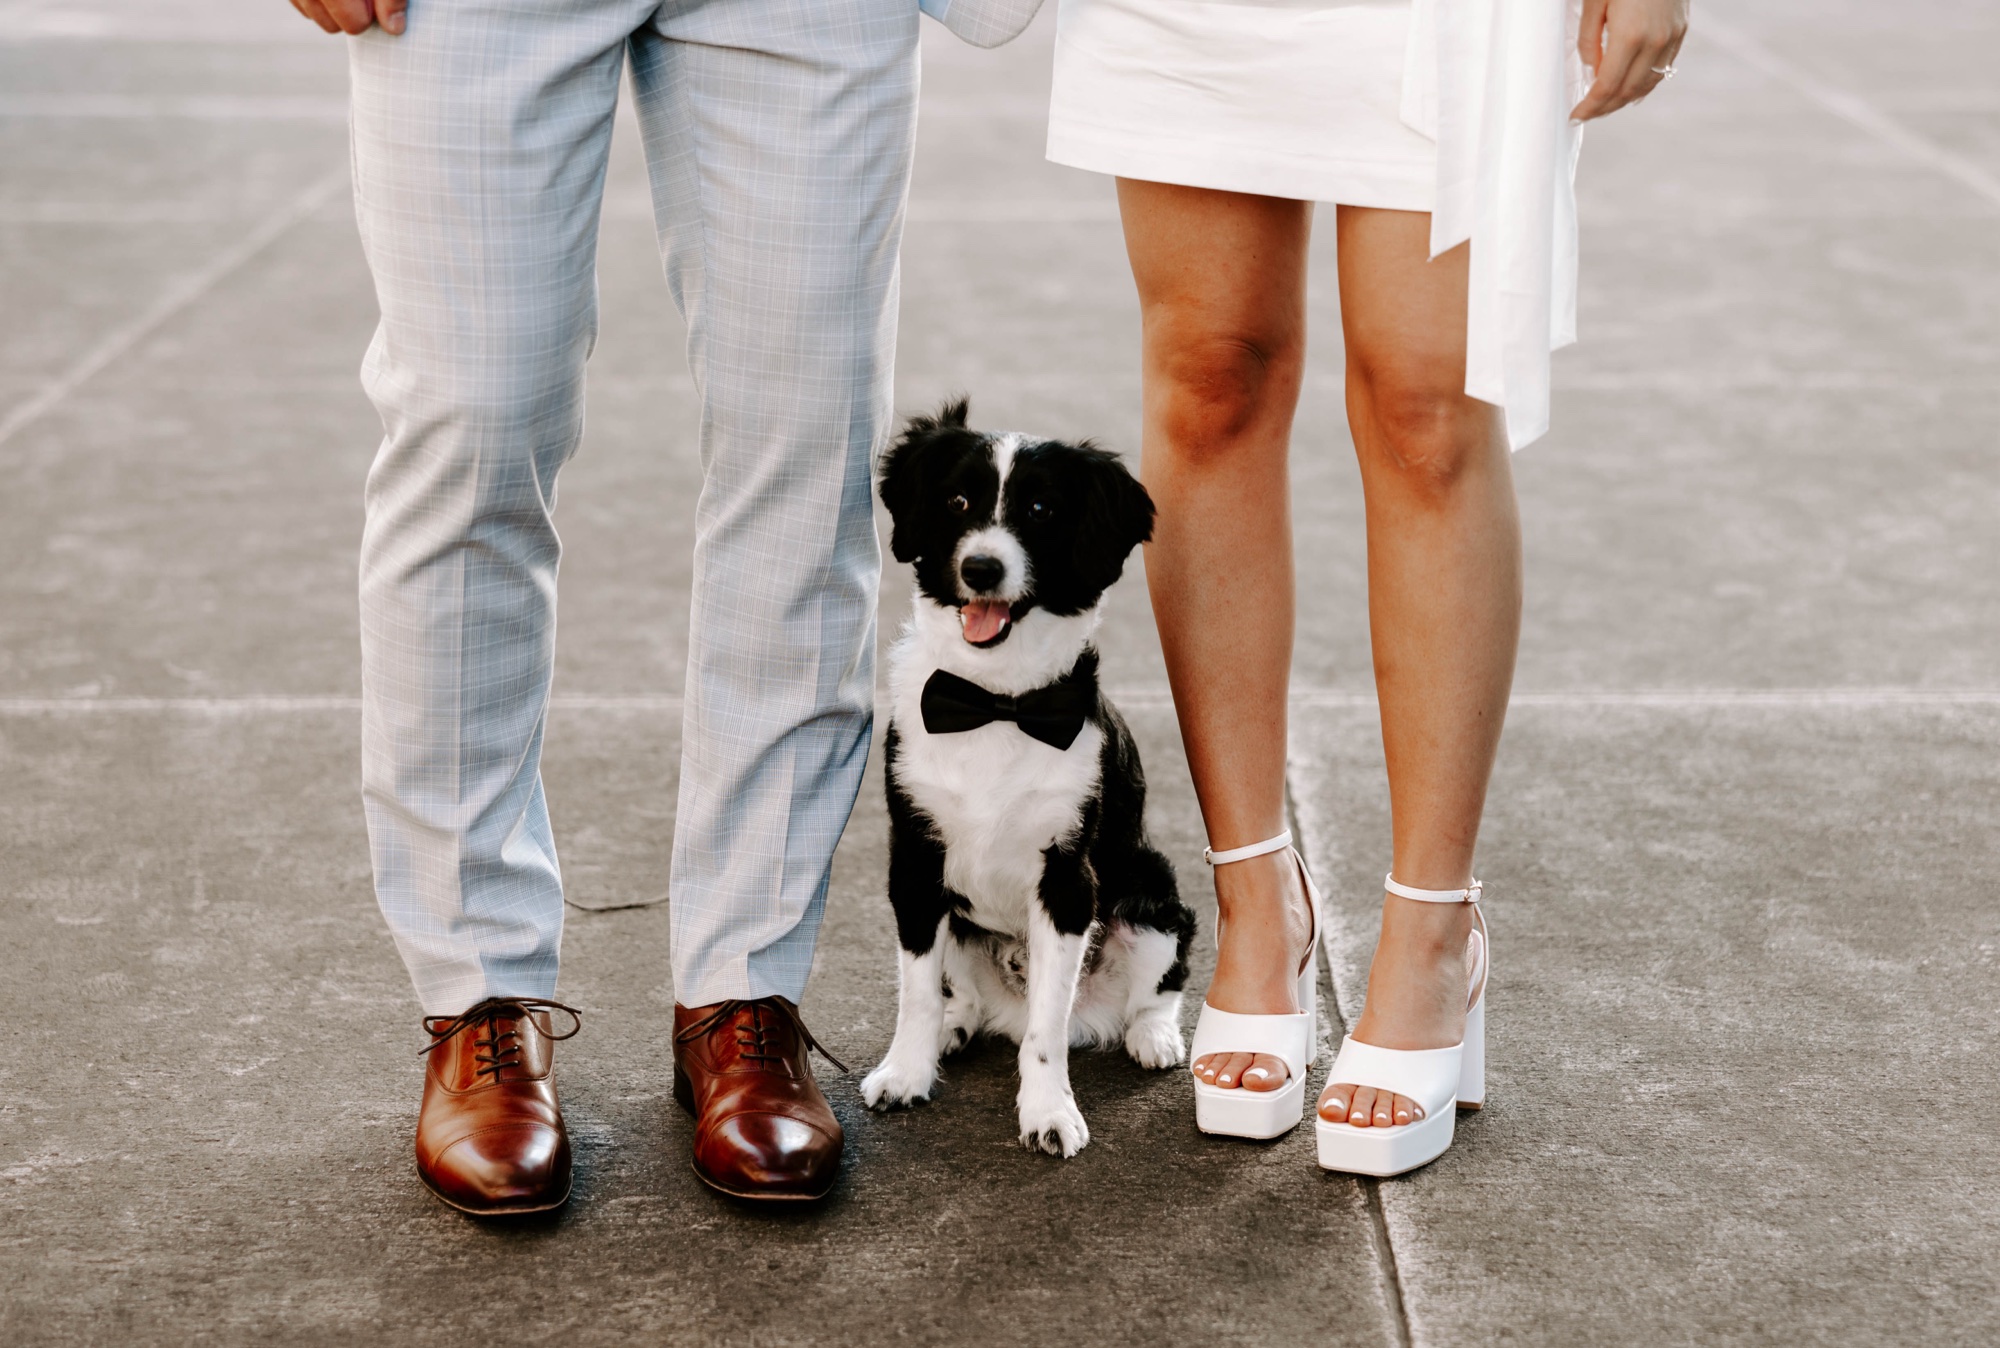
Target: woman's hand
{"points": [[1627, 43]]}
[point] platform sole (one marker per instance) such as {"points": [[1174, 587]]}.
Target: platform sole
{"points": [[1383, 1152], [1258, 1115]]}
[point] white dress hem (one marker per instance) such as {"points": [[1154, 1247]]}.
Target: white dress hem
{"points": [[1224, 167]]}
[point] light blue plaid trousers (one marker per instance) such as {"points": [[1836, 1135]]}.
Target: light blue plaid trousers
{"points": [[778, 136]]}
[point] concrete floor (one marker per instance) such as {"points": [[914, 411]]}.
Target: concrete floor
{"points": [[1744, 1015]]}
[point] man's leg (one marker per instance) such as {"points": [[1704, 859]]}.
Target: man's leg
{"points": [[779, 134], [480, 139]]}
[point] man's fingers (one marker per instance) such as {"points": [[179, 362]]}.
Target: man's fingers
{"points": [[393, 15], [313, 10], [353, 16]]}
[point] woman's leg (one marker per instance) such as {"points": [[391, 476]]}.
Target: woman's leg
{"points": [[1444, 609], [1221, 279]]}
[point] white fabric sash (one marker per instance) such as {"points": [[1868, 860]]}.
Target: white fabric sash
{"points": [[1492, 82]]}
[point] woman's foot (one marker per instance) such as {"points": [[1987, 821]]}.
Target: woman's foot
{"points": [[1416, 1000], [1266, 926]]}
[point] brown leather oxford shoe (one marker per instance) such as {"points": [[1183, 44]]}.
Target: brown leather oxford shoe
{"points": [[490, 1137], [762, 1129]]}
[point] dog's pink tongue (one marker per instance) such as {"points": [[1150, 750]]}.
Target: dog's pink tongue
{"points": [[982, 619]]}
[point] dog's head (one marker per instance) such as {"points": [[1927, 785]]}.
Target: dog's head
{"points": [[998, 526]]}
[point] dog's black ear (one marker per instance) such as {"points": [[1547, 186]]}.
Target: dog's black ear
{"points": [[1120, 505], [919, 454], [1119, 512]]}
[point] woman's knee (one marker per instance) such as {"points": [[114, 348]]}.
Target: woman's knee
{"points": [[1219, 383], [1418, 426]]}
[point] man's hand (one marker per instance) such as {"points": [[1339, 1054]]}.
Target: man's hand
{"points": [[355, 16], [1628, 43]]}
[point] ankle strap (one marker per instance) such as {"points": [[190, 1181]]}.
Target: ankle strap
{"points": [[1470, 894], [1258, 849]]}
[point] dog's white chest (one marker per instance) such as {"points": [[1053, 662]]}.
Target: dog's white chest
{"points": [[998, 799], [996, 796]]}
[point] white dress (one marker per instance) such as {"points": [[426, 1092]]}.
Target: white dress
{"points": [[1283, 98], [1454, 107]]}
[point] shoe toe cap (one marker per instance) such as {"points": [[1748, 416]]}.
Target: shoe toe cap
{"points": [[512, 1167], [771, 1153]]}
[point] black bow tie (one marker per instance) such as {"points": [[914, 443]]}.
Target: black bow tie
{"points": [[1053, 714]]}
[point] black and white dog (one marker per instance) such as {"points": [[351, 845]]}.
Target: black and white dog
{"points": [[1028, 899]]}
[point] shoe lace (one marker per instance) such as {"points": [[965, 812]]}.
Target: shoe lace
{"points": [[498, 1049], [755, 1038]]}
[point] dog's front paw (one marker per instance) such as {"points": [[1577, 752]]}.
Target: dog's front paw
{"points": [[1154, 1042], [1054, 1125], [893, 1085]]}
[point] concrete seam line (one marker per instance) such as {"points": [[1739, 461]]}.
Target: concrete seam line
{"points": [[205, 706], [1135, 695], [1027, 211], [177, 297], [285, 705], [1385, 1258], [1023, 212], [1850, 108], [222, 108], [1665, 698], [1389, 1273]]}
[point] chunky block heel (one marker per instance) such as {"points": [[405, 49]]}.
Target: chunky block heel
{"points": [[1441, 1080], [1472, 1063]]}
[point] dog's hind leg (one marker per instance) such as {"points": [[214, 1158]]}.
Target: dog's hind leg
{"points": [[1159, 930], [964, 1010], [908, 1073], [1152, 1010]]}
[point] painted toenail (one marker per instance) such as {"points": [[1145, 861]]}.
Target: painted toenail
{"points": [[1257, 1072], [1357, 1117], [1224, 1078]]}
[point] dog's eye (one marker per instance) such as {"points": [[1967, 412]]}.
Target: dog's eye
{"points": [[1041, 512], [958, 505]]}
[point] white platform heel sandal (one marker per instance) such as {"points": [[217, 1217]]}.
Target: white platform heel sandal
{"points": [[1292, 1039], [1441, 1080]]}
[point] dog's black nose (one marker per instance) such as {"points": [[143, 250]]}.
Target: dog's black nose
{"points": [[981, 572]]}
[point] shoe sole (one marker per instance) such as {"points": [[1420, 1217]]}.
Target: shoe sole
{"points": [[760, 1195], [517, 1211]]}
